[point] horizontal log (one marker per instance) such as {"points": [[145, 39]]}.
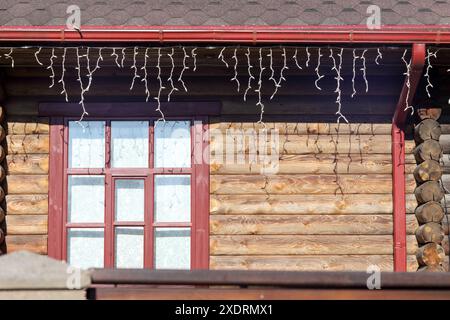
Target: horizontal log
{"points": [[444, 140], [27, 164], [428, 170], [27, 184], [429, 212], [302, 128], [33, 243], [428, 150], [297, 144], [28, 144], [18, 125], [427, 129], [305, 244], [305, 204], [27, 204], [430, 232], [26, 224], [317, 164], [308, 263], [304, 184], [429, 191], [430, 254], [302, 224]]}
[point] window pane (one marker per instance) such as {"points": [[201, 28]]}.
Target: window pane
{"points": [[129, 144], [85, 248], [87, 144], [129, 199], [129, 248], [172, 198], [172, 248], [86, 199], [173, 144]]}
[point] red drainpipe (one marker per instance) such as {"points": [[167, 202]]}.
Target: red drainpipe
{"points": [[398, 157]]}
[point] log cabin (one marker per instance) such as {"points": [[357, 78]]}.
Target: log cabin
{"points": [[240, 139]]}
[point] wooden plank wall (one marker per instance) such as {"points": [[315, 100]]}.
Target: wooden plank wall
{"points": [[298, 219], [27, 180]]}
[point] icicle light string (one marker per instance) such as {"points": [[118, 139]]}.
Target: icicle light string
{"points": [[134, 67], [364, 69], [36, 56], [272, 71], [185, 67], [308, 57], [123, 58], [319, 76], [194, 57], [115, 56], [52, 70], [250, 76], [278, 83], [170, 79], [9, 56], [429, 67], [92, 71], [145, 77], [238, 84], [82, 89], [338, 78], [63, 72], [379, 56], [354, 72], [158, 98], [259, 90], [408, 83], [222, 58], [296, 60]]}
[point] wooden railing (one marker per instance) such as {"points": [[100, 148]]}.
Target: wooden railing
{"points": [[221, 285]]}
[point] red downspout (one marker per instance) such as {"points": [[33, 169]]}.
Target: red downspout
{"points": [[398, 156]]}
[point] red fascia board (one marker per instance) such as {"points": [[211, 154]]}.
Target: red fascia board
{"points": [[236, 34]]}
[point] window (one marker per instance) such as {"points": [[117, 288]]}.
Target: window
{"points": [[132, 196]]}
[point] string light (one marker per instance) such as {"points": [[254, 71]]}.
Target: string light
{"points": [[354, 72], [52, 76], [158, 98], [82, 89], [116, 56], [308, 57], [145, 77], [250, 76], [319, 55], [379, 56], [296, 61], [338, 78], [170, 80], [272, 71], [185, 67], [36, 56], [194, 56], [92, 71], [123, 57], [63, 72], [134, 67], [429, 67], [259, 90], [222, 58], [278, 84], [408, 83], [235, 71], [363, 69], [9, 56]]}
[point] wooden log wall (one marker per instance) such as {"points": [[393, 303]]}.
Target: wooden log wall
{"points": [[2, 171], [27, 179], [329, 206], [429, 192]]}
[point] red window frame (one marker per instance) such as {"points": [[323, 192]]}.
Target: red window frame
{"points": [[60, 114]]}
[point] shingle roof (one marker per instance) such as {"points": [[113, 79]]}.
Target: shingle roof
{"points": [[223, 12]]}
